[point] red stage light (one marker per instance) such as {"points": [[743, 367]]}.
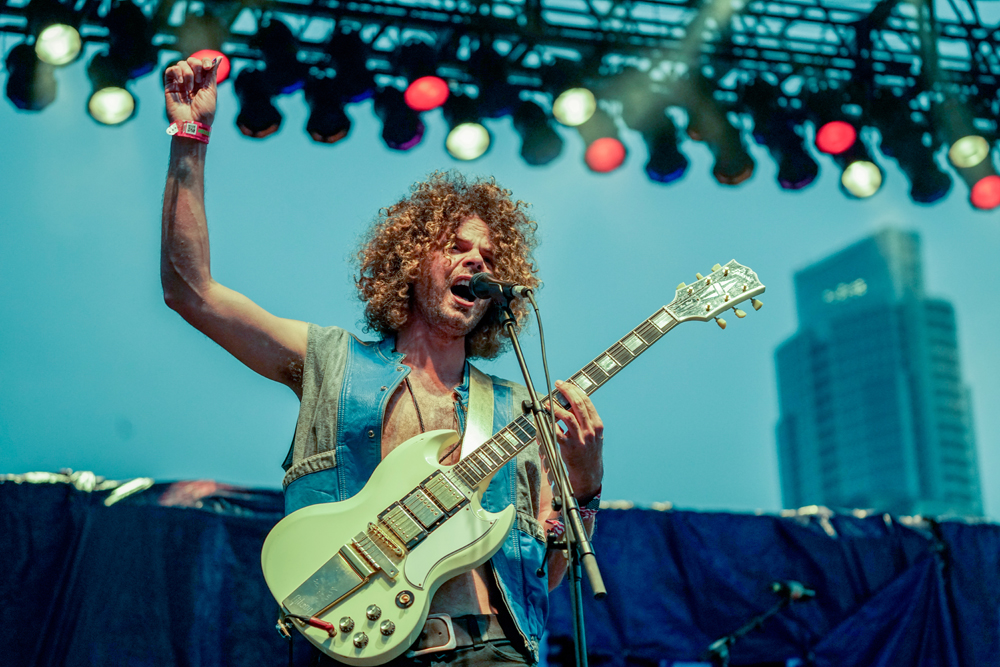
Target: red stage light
{"points": [[224, 66], [836, 137], [426, 93], [986, 193], [605, 154]]}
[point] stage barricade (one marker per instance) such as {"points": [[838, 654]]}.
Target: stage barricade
{"points": [[170, 575]]}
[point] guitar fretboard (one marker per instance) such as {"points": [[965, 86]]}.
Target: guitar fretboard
{"points": [[517, 435]]}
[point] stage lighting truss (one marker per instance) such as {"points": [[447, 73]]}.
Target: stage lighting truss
{"points": [[923, 53]]}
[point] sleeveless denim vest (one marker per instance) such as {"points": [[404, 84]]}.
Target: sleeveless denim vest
{"points": [[338, 443]]}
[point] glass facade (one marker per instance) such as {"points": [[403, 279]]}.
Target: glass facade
{"points": [[873, 411]]}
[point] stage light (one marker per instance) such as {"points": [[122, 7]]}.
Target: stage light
{"points": [[984, 184], [968, 151], [707, 122], [468, 138], [258, 117], [58, 44], [417, 61], [402, 128], [985, 193], [861, 178], [540, 143], [497, 96], [110, 103], [426, 93], [130, 38], [202, 37], [31, 83], [328, 122], [605, 152], [350, 61], [574, 106], [468, 141], [777, 128], [55, 27], [966, 147], [647, 115], [903, 140], [222, 70], [835, 137], [284, 72]]}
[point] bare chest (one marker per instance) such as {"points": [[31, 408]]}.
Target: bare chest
{"points": [[409, 414]]}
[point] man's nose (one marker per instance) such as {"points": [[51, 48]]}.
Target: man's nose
{"points": [[473, 260]]}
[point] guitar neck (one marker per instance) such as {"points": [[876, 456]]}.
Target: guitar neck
{"points": [[517, 435]]}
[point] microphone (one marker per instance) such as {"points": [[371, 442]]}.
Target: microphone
{"points": [[484, 286], [792, 590]]}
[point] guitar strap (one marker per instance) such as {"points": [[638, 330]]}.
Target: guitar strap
{"points": [[479, 421]]}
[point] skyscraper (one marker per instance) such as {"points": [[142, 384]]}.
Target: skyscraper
{"points": [[873, 411]]}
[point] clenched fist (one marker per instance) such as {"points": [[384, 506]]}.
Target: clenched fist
{"points": [[190, 90]]}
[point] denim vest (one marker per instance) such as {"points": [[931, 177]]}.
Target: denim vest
{"points": [[338, 443]]}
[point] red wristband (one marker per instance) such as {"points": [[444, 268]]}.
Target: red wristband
{"points": [[190, 129]]}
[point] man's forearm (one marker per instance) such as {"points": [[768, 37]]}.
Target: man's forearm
{"points": [[185, 269]]}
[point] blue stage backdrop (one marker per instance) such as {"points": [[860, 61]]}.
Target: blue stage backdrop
{"points": [[171, 576]]}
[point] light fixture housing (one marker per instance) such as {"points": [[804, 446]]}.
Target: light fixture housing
{"points": [[647, 115], [258, 117], [402, 128], [707, 122], [468, 138], [328, 121], [31, 83], [540, 143], [907, 138]]}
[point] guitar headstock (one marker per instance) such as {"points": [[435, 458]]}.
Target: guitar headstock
{"points": [[709, 296]]}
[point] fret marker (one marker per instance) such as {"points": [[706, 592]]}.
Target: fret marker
{"points": [[632, 342], [607, 364], [662, 319], [582, 381]]}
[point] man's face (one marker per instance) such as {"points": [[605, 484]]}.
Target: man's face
{"points": [[442, 296]]}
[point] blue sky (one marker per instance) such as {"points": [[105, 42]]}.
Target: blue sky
{"points": [[97, 374]]}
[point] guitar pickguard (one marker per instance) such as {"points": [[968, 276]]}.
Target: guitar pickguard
{"points": [[464, 529]]}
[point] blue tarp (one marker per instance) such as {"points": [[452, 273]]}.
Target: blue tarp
{"points": [[171, 576]]}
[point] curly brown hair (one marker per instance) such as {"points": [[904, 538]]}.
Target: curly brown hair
{"points": [[391, 254]]}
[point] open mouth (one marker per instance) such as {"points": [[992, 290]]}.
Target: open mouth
{"points": [[462, 291]]}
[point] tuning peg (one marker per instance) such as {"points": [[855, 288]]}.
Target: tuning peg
{"points": [[716, 267], [698, 276], [681, 286], [721, 322], [739, 313], [756, 303]]}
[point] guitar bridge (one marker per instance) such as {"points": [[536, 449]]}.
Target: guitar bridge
{"points": [[349, 569]]}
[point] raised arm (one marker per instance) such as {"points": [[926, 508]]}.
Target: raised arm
{"points": [[272, 346]]}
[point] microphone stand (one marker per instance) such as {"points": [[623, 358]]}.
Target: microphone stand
{"points": [[579, 551]]}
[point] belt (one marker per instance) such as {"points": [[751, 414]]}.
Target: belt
{"points": [[443, 633]]}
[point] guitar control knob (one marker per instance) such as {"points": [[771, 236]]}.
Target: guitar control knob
{"points": [[346, 624], [387, 627], [360, 640], [373, 612]]}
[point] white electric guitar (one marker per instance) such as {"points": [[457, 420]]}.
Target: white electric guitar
{"points": [[356, 577]]}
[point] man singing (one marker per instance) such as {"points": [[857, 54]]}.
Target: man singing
{"points": [[360, 400]]}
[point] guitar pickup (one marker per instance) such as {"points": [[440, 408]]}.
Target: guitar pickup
{"points": [[403, 525], [443, 492]]}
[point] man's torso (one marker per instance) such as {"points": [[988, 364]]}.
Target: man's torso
{"points": [[468, 593]]}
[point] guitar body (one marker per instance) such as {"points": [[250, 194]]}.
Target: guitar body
{"points": [[302, 543]]}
